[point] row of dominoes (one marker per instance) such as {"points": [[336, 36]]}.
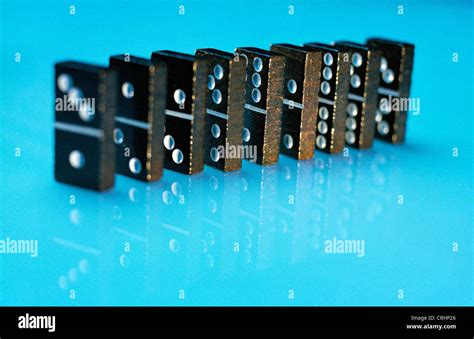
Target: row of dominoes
{"points": [[180, 111]]}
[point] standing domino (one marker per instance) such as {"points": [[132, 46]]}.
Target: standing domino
{"points": [[395, 81], [362, 96], [84, 122], [300, 103], [224, 108], [185, 111], [332, 97], [263, 102], [139, 123]]}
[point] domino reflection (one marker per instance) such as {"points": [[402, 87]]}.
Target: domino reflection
{"points": [[170, 238]]}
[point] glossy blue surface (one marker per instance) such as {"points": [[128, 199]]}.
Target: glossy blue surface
{"points": [[260, 236]]}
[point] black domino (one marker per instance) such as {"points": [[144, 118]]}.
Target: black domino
{"points": [[224, 109], [185, 111], [139, 123], [84, 122]]}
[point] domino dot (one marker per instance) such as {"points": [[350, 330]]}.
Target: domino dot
{"points": [[287, 173], [135, 165], [213, 183], [210, 261], [217, 96], [215, 154], [292, 86], [167, 197], [74, 95], [383, 127], [322, 127], [288, 141], [118, 136], [212, 206], [325, 87], [168, 141], [356, 59], [318, 177], [378, 116], [174, 245], [256, 80], [328, 59], [218, 72], [245, 134], [64, 82], [321, 141], [86, 113], [177, 156], [355, 81], [383, 64], [216, 131], [176, 189], [179, 96], [211, 82], [257, 64], [327, 73], [128, 91], [352, 109], [204, 245], [388, 76], [350, 137], [132, 194], [77, 159], [210, 237], [323, 112], [256, 95], [351, 123]]}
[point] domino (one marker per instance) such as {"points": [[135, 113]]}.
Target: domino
{"points": [[362, 96], [332, 97], [84, 122], [263, 102], [257, 215], [185, 111], [300, 100], [220, 221], [138, 133], [396, 67], [181, 225], [225, 98], [293, 220]]}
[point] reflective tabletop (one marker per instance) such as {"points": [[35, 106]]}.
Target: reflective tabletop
{"points": [[387, 226]]}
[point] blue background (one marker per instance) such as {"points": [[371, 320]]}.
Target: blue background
{"points": [[255, 237]]}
